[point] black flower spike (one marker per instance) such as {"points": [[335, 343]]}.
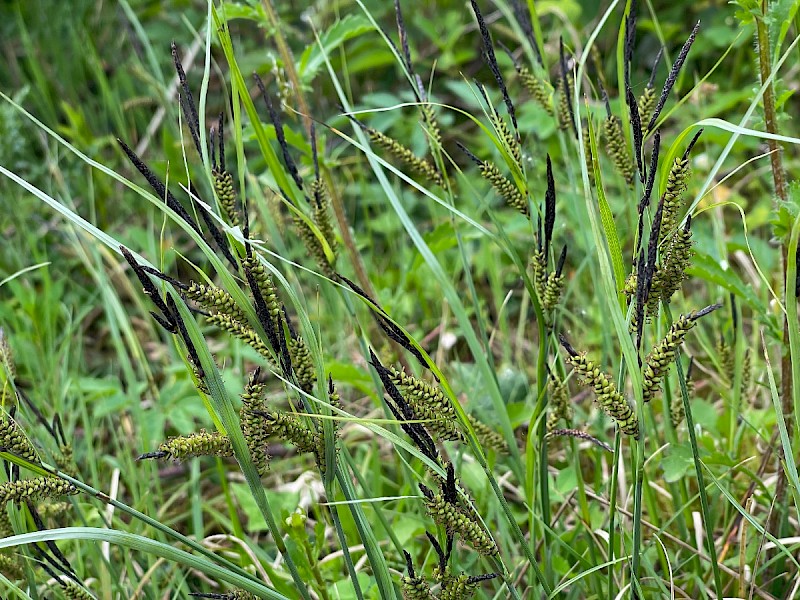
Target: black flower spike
{"points": [[648, 190], [188, 106], [636, 126], [475, 579], [581, 435], [160, 190], [403, 413], [194, 358], [645, 272], [561, 260], [275, 117], [492, 60], [630, 39], [549, 207], [60, 562], [166, 320], [219, 238], [562, 62], [524, 19], [401, 31], [221, 127], [673, 75], [389, 328]]}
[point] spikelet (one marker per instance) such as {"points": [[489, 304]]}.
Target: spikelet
{"points": [[488, 437], [223, 186], [321, 212], [428, 403], [673, 195], [540, 91], [617, 148], [677, 413], [431, 125], [242, 332], [646, 103], [559, 404], [214, 299], [727, 358], [50, 509], [10, 567], [36, 488], [405, 155], [506, 137], [564, 113], [539, 272], [290, 429], [461, 587], [6, 355], [6, 530], [504, 187], [252, 424], [265, 284], [415, 588], [587, 154], [552, 290], [236, 594], [610, 400], [746, 371], [581, 435], [13, 440], [663, 354], [73, 591], [302, 364], [456, 522], [676, 260], [65, 460], [314, 247], [194, 445]]}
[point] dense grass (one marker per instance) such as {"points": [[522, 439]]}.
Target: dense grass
{"points": [[448, 268]]}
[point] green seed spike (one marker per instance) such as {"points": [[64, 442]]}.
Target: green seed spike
{"points": [[673, 195], [415, 588], [461, 587], [73, 591], [431, 124], [37, 488], [647, 102], [617, 149], [313, 246], [242, 332], [663, 354], [252, 423], [509, 140], [194, 445], [428, 403], [610, 400], [223, 186], [564, 113], [456, 522], [552, 291], [214, 299], [236, 594], [677, 258], [539, 90], [559, 403], [677, 411], [587, 153], [265, 285], [487, 436], [13, 440], [539, 272], [302, 364], [504, 187], [6, 355], [289, 429], [405, 155], [321, 213]]}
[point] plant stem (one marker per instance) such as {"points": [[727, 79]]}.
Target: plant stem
{"points": [[779, 180]]}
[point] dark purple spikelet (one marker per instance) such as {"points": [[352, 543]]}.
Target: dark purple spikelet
{"points": [[151, 290], [188, 106], [648, 190], [277, 122], [194, 358], [654, 70], [630, 40], [524, 19], [403, 34], [549, 207], [636, 126], [673, 76], [691, 144], [492, 60]]}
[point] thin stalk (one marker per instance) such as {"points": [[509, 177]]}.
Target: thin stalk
{"points": [[612, 509], [781, 191]]}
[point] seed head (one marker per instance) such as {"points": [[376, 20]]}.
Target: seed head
{"points": [[405, 155], [617, 148], [194, 445], [455, 521], [214, 299], [223, 186], [12, 439], [36, 488]]}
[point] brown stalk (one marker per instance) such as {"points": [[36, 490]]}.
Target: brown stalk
{"points": [[781, 191]]}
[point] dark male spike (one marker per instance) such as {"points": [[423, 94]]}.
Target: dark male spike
{"points": [[402, 411], [449, 487], [562, 62], [409, 565], [275, 117], [438, 549], [691, 144], [524, 19], [159, 188], [636, 126], [561, 260], [469, 154], [216, 234], [492, 60], [62, 563], [314, 155], [187, 101], [194, 358], [648, 190], [567, 346], [673, 76], [401, 31], [645, 283], [654, 71], [549, 207], [149, 288], [212, 148], [474, 579], [630, 39], [641, 299]]}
